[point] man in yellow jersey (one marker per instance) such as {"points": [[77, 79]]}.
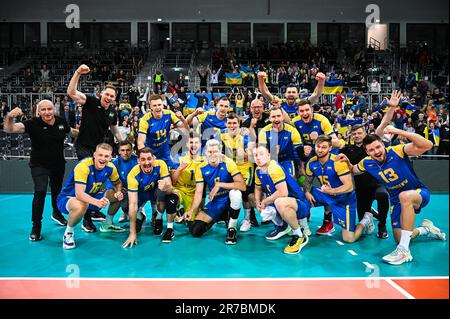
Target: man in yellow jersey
{"points": [[183, 175], [237, 145]]}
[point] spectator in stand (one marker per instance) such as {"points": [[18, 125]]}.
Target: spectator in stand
{"points": [[409, 126], [203, 75], [181, 81], [158, 79], [124, 109], [133, 94], [45, 74], [420, 125], [339, 100], [438, 99], [215, 78], [444, 135], [69, 116], [375, 87]]}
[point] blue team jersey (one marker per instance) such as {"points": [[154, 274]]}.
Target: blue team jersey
{"points": [[268, 178], [328, 173], [209, 120], [157, 132], [291, 110], [396, 173], [282, 144], [222, 173], [85, 173], [319, 125], [124, 167], [138, 181]]}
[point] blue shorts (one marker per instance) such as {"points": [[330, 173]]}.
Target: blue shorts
{"points": [[396, 207], [303, 208], [217, 207], [288, 166], [342, 206], [61, 203]]}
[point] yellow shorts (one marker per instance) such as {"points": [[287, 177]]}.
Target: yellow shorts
{"points": [[186, 200], [247, 172]]}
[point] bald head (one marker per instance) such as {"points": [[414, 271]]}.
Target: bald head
{"points": [[46, 110], [45, 103]]}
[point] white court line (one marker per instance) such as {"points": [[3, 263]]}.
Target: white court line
{"points": [[352, 252], [220, 279], [340, 243], [400, 289], [370, 266]]}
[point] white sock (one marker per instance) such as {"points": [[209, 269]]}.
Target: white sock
{"points": [[423, 231], [247, 213], [303, 223], [170, 225], [108, 220], [232, 223], [405, 239], [297, 232], [68, 230]]}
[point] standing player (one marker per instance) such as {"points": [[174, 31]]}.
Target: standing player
{"points": [[209, 124], [291, 101], [150, 181], [283, 141], [85, 186], [154, 129], [183, 174], [408, 195], [225, 184], [237, 146], [336, 191], [311, 125], [284, 194]]}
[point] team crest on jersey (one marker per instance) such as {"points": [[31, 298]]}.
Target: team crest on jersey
{"points": [[285, 137], [61, 127], [315, 126], [207, 173]]}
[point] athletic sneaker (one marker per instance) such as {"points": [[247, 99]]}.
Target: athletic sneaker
{"points": [[139, 223], [168, 236], [433, 231], [266, 221], [245, 226], [68, 241], [278, 232], [326, 228], [157, 230], [88, 226], [179, 215], [35, 234], [370, 225], [398, 256], [123, 217], [98, 216], [296, 244], [111, 228], [253, 220], [306, 230], [382, 231], [231, 236], [59, 219]]}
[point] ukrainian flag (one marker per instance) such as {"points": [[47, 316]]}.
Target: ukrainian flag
{"points": [[437, 136], [233, 78], [333, 87]]}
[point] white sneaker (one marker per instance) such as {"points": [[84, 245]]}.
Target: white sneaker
{"points": [[433, 231], [68, 241], [123, 217], [398, 256], [245, 226], [370, 227]]}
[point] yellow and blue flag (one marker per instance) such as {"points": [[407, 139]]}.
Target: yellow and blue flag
{"points": [[233, 78], [333, 87]]}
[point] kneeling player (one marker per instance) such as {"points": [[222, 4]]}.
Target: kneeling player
{"points": [[336, 191], [86, 186], [284, 194], [226, 184], [150, 181]]}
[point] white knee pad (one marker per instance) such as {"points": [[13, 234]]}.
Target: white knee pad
{"points": [[235, 199]]}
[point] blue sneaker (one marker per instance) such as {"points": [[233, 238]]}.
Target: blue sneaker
{"points": [[278, 232]]}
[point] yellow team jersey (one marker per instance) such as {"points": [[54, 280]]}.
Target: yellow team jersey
{"points": [[319, 125], [186, 180]]}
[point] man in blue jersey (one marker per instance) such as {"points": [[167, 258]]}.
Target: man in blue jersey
{"points": [[337, 190], [150, 180], [284, 196], [283, 141], [226, 185], [210, 123], [124, 163], [85, 186], [154, 129], [408, 195]]}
